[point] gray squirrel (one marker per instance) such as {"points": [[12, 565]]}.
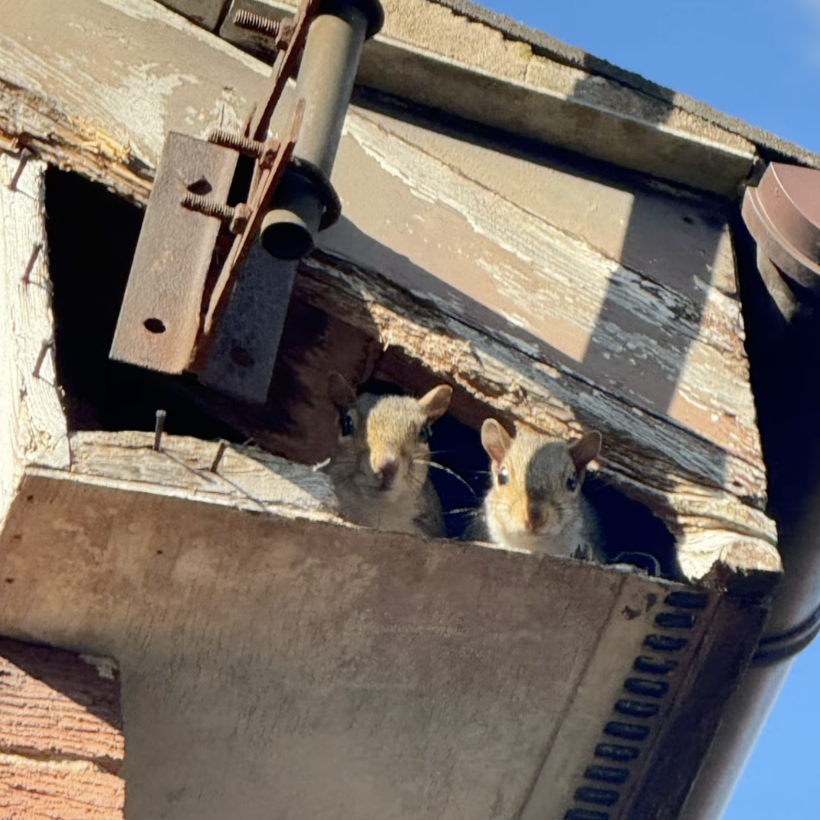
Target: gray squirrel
{"points": [[535, 502], [380, 466]]}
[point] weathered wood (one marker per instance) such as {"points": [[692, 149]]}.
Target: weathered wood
{"points": [[32, 424], [678, 475], [95, 86], [659, 336], [558, 319], [219, 473], [61, 743], [299, 667]]}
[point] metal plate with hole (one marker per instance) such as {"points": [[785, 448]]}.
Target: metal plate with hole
{"points": [[160, 314]]}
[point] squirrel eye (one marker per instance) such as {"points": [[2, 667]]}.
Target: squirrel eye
{"points": [[503, 475], [425, 433], [572, 483], [347, 425]]}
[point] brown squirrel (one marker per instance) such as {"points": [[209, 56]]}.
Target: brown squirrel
{"points": [[535, 502], [380, 466]]}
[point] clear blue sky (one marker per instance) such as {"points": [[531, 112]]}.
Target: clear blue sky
{"points": [[758, 60]]}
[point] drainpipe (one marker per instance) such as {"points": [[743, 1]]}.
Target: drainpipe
{"points": [[779, 264], [326, 76]]}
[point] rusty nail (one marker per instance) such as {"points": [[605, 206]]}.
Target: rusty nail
{"points": [[223, 445], [25, 155], [161, 414], [30, 264], [41, 357]]}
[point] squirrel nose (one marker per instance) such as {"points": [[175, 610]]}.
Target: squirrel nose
{"points": [[386, 470], [536, 518]]}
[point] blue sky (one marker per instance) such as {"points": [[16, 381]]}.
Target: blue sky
{"points": [[758, 60]]}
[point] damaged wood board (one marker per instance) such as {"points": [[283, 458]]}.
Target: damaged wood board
{"points": [[676, 474], [96, 85], [302, 668], [662, 334], [649, 349], [61, 742], [32, 424]]}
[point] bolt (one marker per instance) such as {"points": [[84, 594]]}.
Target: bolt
{"points": [[236, 217], [257, 22], [265, 152], [209, 207], [230, 139]]}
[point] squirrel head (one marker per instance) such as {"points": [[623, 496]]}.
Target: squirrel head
{"points": [[536, 481], [382, 445]]}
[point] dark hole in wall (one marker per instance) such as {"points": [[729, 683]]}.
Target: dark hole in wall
{"points": [[92, 235], [630, 530]]}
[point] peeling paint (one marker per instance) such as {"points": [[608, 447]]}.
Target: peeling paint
{"points": [[558, 288], [147, 11]]}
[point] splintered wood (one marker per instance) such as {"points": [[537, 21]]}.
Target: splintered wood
{"points": [[621, 315], [555, 295]]}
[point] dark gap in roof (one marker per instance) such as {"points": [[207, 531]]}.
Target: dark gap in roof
{"points": [[92, 234]]}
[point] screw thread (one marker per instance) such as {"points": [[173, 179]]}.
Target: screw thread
{"points": [[256, 22], [230, 139], [208, 206]]}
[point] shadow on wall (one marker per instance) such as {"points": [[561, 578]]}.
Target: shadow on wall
{"points": [[670, 245], [683, 259]]}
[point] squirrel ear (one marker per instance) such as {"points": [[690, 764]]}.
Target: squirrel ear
{"points": [[495, 440], [436, 402], [339, 390], [583, 451]]}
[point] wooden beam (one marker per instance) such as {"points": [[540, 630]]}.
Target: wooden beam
{"points": [[679, 476], [70, 76], [300, 667], [32, 425]]}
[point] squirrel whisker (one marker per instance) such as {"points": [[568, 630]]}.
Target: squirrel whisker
{"points": [[459, 510], [446, 470]]}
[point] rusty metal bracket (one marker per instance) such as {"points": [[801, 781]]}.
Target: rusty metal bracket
{"points": [[185, 308]]}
